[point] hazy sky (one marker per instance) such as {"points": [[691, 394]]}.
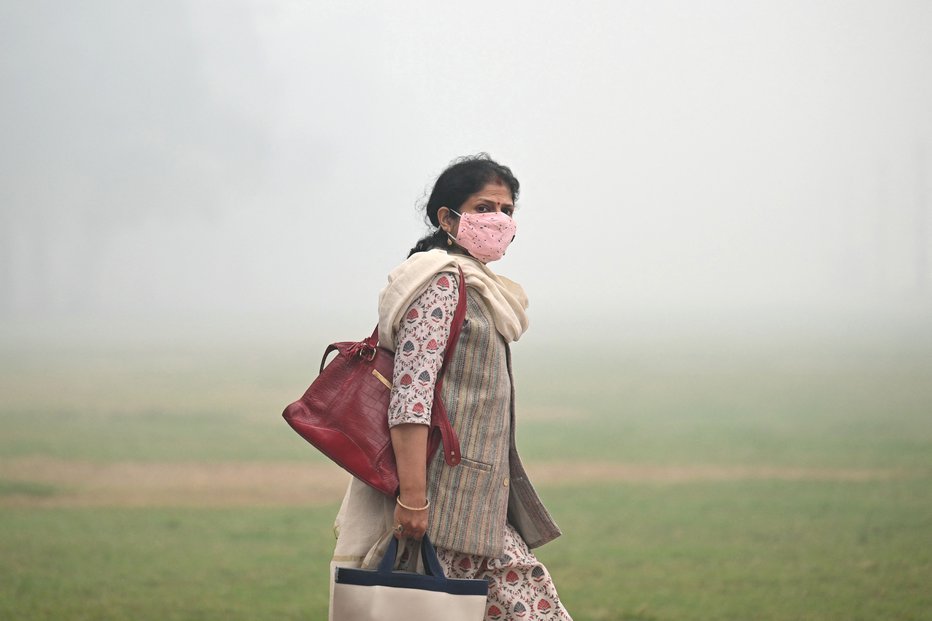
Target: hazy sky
{"points": [[202, 159]]}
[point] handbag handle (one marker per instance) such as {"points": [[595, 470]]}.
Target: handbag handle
{"points": [[366, 348], [323, 361], [428, 555]]}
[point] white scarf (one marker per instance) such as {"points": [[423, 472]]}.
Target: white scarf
{"points": [[505, 298]]}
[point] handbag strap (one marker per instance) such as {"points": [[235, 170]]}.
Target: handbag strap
{"points": [[441, 429]]}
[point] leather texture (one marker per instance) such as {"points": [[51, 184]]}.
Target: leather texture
{"points": [[344, 412]]}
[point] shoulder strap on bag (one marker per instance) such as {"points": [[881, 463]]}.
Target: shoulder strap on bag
{"points": [[441, 430]]}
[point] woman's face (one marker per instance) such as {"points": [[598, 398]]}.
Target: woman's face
{"points": [[494, 197]]}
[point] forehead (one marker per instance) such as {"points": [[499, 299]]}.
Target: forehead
{"points": [[494, 192]]}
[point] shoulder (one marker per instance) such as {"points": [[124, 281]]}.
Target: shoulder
{"points": [[439, 295], [421, 264], [420, 271], [423, 272], [444, 281]]}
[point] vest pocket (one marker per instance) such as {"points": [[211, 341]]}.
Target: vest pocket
{"points": [[475, 465]]}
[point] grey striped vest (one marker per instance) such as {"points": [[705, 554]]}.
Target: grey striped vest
{"points": [[471, 502]]}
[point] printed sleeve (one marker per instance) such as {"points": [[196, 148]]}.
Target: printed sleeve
{"points": [[420, 343]]}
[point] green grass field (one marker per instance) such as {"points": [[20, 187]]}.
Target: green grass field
{"points": [[702, 482]]}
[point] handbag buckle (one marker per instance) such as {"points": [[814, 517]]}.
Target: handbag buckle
{"points": [[367, 350]]}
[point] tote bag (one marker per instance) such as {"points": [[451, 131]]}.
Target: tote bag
{"points": [[387, 594]]}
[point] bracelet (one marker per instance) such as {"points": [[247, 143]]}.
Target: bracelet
{"points": [[404, 506]]}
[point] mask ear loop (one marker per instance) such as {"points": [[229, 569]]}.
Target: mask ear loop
{"points": [[450, 239]]}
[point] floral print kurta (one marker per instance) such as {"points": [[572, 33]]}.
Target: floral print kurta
{"points": [[419, 346], [519, 585]]}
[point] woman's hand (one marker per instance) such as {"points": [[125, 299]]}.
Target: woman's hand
{"points": [[413, 523], [409, 442]]}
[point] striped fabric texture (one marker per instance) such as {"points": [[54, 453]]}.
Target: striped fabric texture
{"points": [[471, 502]]}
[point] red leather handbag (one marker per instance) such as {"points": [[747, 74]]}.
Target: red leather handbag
{"points": [[344, 412]]}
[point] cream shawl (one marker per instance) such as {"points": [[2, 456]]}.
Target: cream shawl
{"points": [[505, 298]]}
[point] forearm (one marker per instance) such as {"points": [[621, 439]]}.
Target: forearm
{"points": [[409, 442]]}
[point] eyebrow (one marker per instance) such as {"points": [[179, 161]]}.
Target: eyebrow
{"points": [[484, 199]]}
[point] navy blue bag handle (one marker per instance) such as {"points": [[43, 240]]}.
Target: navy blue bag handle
{"points": [[428, 555], [433, 580]]}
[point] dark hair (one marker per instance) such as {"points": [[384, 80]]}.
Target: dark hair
{"points": [[463, 177]]}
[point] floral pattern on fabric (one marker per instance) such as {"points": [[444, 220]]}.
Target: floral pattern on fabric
{"points": [[421, 341], [520, 587]]}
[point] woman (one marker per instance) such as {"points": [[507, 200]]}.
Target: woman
{"points": [[482, 515]]}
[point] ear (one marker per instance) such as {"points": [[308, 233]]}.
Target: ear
{"points": [[448, 220]]}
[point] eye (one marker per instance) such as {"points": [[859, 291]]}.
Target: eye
{"points": [[508, 211], [482, 208]]}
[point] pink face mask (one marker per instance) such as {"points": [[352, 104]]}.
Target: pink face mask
{"points": [[485, 235]]}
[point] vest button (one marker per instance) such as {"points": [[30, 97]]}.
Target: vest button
{"points": [[505, 482]]}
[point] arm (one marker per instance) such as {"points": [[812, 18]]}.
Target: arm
{"points": [[409, 441], [420, 343]]}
